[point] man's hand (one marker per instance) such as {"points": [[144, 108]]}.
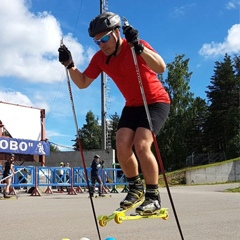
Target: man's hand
{"points": [[132, 36], [65, 57]]}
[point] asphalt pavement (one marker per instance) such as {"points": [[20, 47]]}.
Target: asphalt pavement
{"points": [[204, 213]]}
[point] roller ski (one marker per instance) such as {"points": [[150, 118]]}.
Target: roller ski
{"points": [[104, 219], [133, 199], [99, 195], [121, 217], [102, 196], [148, 206], [6, 196], [9, 198]]}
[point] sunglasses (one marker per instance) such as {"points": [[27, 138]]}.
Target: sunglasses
{"points": [[103, 39]]}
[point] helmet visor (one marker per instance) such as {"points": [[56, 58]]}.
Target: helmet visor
{"points": [[103, 39]]}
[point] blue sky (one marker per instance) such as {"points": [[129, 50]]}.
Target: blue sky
{"points": [[31, 75]]}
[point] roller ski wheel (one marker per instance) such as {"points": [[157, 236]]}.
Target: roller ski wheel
{"points": [[102, 220], [118, 217], [165, 212]]}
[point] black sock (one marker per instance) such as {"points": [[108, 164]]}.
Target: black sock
{"points": [[152, 191], [136, 183]]}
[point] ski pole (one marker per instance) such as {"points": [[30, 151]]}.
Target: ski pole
{"points": [[3, 179], [80, 147], [126, 23]]}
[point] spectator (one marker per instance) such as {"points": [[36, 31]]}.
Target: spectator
{"points": [[95, 176], [68, 173], [61, 176], [8, 170]]}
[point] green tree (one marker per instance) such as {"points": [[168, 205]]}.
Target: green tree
{"points": [[172, 138], [196, 134], [90, 134], [54, 148], [115, 120], [224, 116]]}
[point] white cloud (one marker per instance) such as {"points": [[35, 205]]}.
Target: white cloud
{"points": [[90, 53], [230, 45], [22, 99], [52, 133], [233, 4], [181, 11], [16, 98], [29, 44]]}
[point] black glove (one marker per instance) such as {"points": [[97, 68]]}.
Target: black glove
{"points": [[132, 36], [65, 57]]}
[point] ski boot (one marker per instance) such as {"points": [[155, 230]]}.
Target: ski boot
{"points": [[151, 204], [135, 194]]}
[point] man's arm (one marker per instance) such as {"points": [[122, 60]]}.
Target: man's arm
{"points": [[79, 78], [153, 60]]}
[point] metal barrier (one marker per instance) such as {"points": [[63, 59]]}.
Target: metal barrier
{"points": [[113, 177], [73, 179], [24, 178]]}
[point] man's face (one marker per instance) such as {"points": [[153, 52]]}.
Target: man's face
{"points": [[108, 47]]}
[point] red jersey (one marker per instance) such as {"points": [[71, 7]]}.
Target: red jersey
{"points": [[121, 69]]}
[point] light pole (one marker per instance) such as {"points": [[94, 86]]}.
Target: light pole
{"points": [[103, 8]]}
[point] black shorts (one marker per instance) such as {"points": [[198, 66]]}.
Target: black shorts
{"points": [[4, 176], [135, 117]]}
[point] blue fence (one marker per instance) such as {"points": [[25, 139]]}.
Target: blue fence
{"points": [[73, 178]]}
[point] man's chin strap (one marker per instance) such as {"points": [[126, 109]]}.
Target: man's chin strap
{"points": [[114, 53]]}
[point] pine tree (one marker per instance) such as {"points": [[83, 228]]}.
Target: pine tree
{"points": [[195, 136], [90, 134], [115, 120], [172, 138], [223, 96]]}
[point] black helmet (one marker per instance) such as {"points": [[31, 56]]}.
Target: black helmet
{"points": [[104, 22], [96, 156]]}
